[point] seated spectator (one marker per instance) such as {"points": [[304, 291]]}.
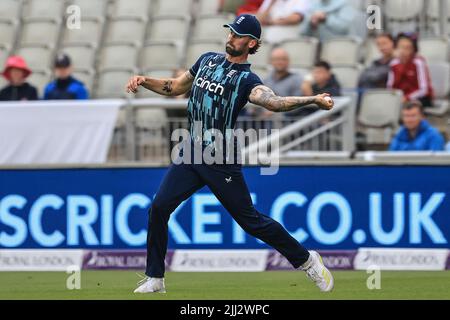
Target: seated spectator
{"points": [[409, 72], [328, 19], [282, 81], [16, 72], [376, 75], [416, 134], [65, 86], [322, 80], [281, 19], [249, 7]]}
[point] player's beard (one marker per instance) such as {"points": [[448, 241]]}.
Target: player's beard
{"points": [[233, 52]]}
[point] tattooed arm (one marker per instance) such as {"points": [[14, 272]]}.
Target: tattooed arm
{"points": [[166, 87], [266, 98]]}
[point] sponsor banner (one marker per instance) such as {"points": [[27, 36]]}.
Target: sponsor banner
{"points": [[119, 259], [337, 260], [448, 261], [219, 260], [39, 260], [107, 208], [401, 259]]}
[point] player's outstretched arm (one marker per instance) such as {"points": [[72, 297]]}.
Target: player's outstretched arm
{"points": [[266, 98], [166, 87]]}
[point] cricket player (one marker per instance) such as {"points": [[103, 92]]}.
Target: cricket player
{"points": [[221, 85]]}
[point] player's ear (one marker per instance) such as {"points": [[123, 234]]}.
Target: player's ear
{"points": [[252, 43]]}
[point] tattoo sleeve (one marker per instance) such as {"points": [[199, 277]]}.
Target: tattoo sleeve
{"points": [[265, 97], [170, 87], [167, 86]]}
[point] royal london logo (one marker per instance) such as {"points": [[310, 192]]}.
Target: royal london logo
{"points": [[217, 88]]}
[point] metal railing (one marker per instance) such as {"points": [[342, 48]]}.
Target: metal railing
{"points": [[144, 129]]}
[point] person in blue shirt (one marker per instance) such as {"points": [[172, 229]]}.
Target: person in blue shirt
{"points": [[416, 134], [65, 86], [221, 85]]}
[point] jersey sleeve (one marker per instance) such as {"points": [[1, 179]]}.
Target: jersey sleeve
{"points": [[252, 81], [194, 69]]}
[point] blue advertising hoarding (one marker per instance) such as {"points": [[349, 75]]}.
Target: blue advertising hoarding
{"points": [[324, 207]]}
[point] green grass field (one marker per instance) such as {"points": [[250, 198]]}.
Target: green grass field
{"points": [[193, 286]]}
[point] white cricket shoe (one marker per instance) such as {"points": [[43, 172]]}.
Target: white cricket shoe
{"points": [[318, 273], [148, 285]]}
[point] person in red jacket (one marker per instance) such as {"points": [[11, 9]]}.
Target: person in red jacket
{"points": [[409, 72]]}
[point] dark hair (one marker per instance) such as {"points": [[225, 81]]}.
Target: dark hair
{"points": [[411, 37], [255, 48], [323, 64], [386, 35], [413, 104]]}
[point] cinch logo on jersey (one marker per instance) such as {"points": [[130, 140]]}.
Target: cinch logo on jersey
{"points": [[210, 86]]}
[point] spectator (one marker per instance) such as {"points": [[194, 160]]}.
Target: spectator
{"points": [[65, 86], [328, 19], [282, 81], [249, 6], [409, 72], [376, 75], [416, 134], [16, 72], [281, 18], [322, 80]]}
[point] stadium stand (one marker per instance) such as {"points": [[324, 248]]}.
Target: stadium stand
{"points": [[120, 37]]}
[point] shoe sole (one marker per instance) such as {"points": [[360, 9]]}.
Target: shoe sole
{"points": [[331, 284]]}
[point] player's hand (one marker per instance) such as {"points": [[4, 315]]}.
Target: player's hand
{"points": [[134, 83], [324, 101]]}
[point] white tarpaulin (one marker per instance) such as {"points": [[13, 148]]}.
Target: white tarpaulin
{"points": [[48, 132]]}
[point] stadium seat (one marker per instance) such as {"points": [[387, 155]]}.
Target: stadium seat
{"points": [[85, 76], [434, 49], [440, 78], [341, 51], [379, 114], [90, 33], [160, 54], [347, 75], [169, 29], [83, 56], [91, 9], [261, 71], [262, 57], [118, 56], [302, 52], [38, 57], [207, 7], [111, 83], [173, 8], [403, 15], [40, 32], [150, 118], [433, 13], [371, 52], [10, 10], [40, 79], [211, 27], [126, 31], [196, 48], [131, 9], [3, 82], [44, 9], [8, 32], [4, 53]]}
